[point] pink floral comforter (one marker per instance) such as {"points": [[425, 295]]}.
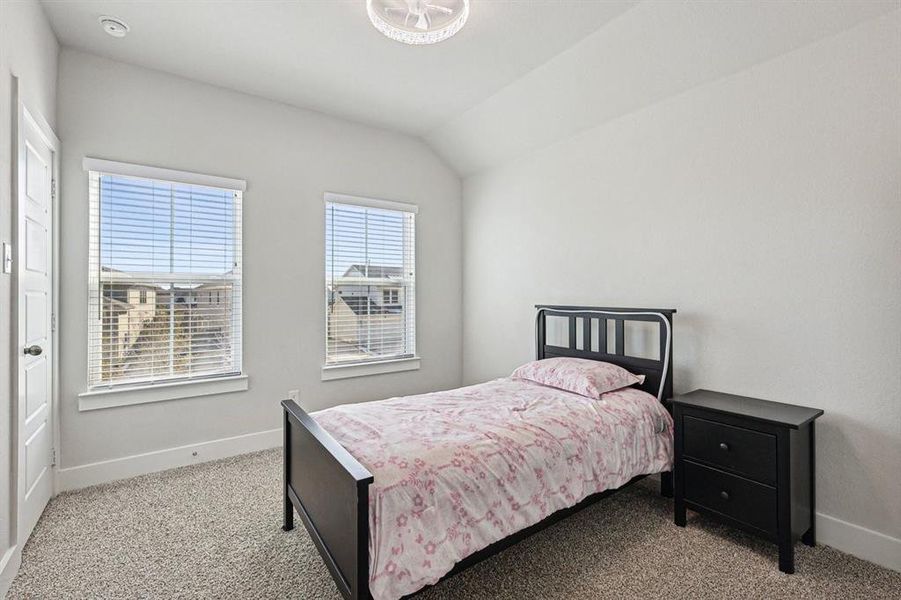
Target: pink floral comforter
{"points": [[458, 470]]}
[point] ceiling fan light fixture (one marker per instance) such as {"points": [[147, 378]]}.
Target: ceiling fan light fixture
{"points": [[418, 22]]}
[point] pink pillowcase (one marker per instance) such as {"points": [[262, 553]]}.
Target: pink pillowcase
{"points": [[589, 378]]}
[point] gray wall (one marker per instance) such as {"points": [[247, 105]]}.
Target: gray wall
{"points": [[766, 208], [289, 157], [28, 51]]}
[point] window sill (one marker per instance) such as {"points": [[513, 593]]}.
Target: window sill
{"points": [[176, 390], [374, 368]]}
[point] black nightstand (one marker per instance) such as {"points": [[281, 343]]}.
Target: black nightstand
{"points": [[748, 462]]}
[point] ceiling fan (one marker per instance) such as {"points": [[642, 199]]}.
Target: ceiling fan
{"points": [[418, 21], [419, 9]]}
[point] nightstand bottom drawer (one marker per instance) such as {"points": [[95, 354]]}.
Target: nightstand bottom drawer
{"points": [[736, 497]]}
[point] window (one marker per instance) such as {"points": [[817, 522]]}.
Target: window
{"points": [[162, 244], [370, 281], [391, 296]]}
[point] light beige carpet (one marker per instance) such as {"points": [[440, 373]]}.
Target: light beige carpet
{"points": [[213, 531]]}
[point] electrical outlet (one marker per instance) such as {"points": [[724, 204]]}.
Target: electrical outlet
{"points": [[294, 395]]}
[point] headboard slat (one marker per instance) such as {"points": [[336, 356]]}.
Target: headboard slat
{"points": [[658, 372], [602, 335], [586, 334], [620, 337], [572, 333]]}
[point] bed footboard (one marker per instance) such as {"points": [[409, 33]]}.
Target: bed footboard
{"points": [[330, 490]]}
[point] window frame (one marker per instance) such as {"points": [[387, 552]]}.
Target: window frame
{"points": [[128, 393], [387, 364]]}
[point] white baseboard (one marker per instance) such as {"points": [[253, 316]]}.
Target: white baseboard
{"points": [[9, 566], [81, 476], [859, 541]]}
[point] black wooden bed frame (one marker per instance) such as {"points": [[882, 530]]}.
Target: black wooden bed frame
{"points": [[329, 488]]}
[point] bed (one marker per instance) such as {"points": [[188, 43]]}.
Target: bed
{"points": [[401, 493]]}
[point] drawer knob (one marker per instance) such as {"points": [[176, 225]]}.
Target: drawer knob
{"points": [[724, 495], [724, 446]]}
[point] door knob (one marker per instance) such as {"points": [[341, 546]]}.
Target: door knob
{"points": [[33, 350]]}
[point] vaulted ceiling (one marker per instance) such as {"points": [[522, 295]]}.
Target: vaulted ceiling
{"points": [[519, 76], [325, 54]]}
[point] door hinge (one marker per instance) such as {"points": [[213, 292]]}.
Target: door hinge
{"points": [[52, 322], [53, 188], [7, 257], [52, 457]]}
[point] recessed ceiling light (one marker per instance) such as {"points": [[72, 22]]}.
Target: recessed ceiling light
{"points": [[113, 26], [418, 21]]}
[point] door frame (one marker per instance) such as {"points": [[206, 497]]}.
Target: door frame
{"points": [[24, 115]]}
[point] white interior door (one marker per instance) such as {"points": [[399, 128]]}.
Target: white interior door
{"points": [[34, 289]]}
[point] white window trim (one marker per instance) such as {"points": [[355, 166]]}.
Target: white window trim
{"points": [[370, 202], [127, 395], [160, 392], [132, 170], [376, 367]]}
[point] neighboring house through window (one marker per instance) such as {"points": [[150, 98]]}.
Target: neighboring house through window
{"points": [[370, 280], [161, 252]]}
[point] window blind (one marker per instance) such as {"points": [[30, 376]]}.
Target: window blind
{"points": [[164, 280], [370, 280]]}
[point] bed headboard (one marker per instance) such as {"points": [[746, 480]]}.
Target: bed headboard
{"points": [[587, 334]]}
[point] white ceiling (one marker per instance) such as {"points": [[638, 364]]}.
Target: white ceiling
{"points": [[325, 55], [521, 75], [656, 50]]}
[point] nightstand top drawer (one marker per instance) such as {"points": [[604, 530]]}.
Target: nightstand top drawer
{"points": [[776, 413], [750, 453]]}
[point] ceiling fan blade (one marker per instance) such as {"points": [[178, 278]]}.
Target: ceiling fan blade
{"points": [[441, 9]]}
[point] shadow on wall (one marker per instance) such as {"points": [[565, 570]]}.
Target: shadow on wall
{"points": [[837, 432], [842, 438], [688, 333]]}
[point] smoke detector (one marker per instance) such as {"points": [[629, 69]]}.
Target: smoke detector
{"points": [[113, 26]]}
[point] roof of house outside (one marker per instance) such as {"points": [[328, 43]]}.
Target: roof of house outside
{"points": [[362, 306], [374, 272], [136, 280], [114, 305]]}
